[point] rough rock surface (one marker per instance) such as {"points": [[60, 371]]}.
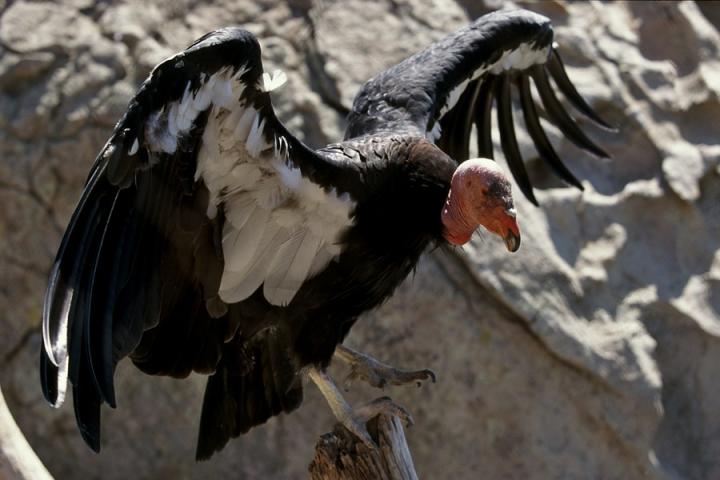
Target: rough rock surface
{"points": [[591, 353]]}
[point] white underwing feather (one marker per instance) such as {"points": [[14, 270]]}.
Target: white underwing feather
{"points": [[172, 126], [223, 93], [209, 154], [280, 228], [290, 177], [244, 177], [219, 89], [239, 246], [290, 268], [185, 116], [157, 134], [185, 102], [269, 194], [255, 140], [323, 257], [288, 217], [238, 209], [237, 286], [205, 94], [134, 148], [246, 121]]}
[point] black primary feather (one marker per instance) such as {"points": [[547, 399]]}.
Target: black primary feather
{"points": [[413, 96], [559, 116], [483, 117], [507, 138], [542, 143], [557, 70]]}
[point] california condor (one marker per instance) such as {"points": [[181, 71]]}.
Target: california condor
{"points": [[208, 238]]}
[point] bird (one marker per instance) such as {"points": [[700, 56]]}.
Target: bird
{"points": [[210, 239]]}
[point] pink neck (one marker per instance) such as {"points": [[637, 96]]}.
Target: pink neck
{"points": [[458, 228]]}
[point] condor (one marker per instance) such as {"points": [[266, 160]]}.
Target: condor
{"points": [[208, 238]]}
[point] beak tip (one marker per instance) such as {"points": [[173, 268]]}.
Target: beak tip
{"points": [[512, 241]]}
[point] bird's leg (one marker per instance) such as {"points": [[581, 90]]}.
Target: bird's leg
{"points": [[376, 373], [355, 420]]}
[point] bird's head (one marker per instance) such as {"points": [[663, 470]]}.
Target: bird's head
{"points": [[480, 195]]}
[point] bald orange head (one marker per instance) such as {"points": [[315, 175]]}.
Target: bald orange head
{"points": [[480, 195]]}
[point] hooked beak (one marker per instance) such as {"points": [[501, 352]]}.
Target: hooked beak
{"points": [[512, 231], [512, 240]]}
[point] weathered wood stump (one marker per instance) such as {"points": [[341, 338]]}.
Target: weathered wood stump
{"points": [[17, 459], [340, 455]]}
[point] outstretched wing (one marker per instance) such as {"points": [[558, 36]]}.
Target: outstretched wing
{"points": [[198, 198], [442, 91]]}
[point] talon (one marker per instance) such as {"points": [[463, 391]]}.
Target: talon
{"points": [[387, 406], [379, 374], [353, 420]]}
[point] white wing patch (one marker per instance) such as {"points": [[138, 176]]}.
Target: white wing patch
{"points": [[521, 58], [524, 56], [280, 228], [167, 125]]}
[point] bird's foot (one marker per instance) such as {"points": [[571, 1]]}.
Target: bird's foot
{"points": [[376, 373], [355, 420]]}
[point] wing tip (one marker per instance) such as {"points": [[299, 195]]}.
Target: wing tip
{"points": [[599, 153], [604, 125], [109, 398], [90, 435], [531, 197], [556, 68]]}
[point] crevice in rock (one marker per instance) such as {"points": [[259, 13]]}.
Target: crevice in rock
{"points": [[320, 81]]}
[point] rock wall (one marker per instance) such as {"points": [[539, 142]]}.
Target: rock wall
{"points": [[591, 353]]}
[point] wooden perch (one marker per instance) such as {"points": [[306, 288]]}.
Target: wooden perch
{"points": [[340, 455], [17, 459]]}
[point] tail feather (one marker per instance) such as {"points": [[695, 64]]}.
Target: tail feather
{"points": [[252, 383], [87, 402], [218, 417]]}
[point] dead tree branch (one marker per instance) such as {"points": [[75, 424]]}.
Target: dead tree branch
{"points": [[17, 459], [340, 455]]}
